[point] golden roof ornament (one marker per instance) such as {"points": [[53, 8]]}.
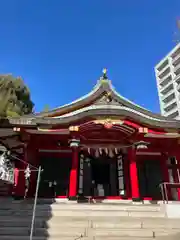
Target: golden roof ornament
{"points": [[104, 78], [104, 73]]}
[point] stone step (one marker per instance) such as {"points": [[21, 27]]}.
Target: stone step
{"points": [[133, 238], [135, 225], [9, 237], [44, 224], [70, 238], [48, 238], [43, 232], [95, 219], [134, 233], [77, 232], [82, 207], [49, 213], [86, 238], [96, 223]]}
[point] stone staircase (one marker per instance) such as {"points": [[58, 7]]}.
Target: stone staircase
{"points": [[70, 221], [4, 188]]}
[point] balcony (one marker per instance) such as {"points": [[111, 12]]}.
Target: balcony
{"points": [[166, 88], [176, 53], [165, 72], [176, 60], [164, 81], [177, 69], [170, 105], [177, 79], [163, 65], [168, 97], [178, 87], [172, 113]]}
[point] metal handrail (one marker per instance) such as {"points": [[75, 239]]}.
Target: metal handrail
{"points": [[163, 186], [35, 203]]}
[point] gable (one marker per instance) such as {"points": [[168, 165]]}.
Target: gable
{"points": [[102, 100]]}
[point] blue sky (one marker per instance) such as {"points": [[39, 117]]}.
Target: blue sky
{"points": [[59, 47]]}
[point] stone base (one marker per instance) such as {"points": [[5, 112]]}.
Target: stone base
{"points": [[82, 199], [172, 210], [136, 199], [74, 198]]}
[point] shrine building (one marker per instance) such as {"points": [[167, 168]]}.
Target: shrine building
{"points": [[101, 145]]}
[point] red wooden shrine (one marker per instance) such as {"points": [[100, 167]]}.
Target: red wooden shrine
{"points": [[101, 145]]}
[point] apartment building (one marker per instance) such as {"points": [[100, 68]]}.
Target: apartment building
{"points": [[168, 83]]}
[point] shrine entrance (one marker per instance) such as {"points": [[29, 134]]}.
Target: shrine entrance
{"points": [[100, 177], [100, 172], [55, 177]]}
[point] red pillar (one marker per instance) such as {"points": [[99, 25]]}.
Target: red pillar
{"points": [[133, 174], [19, 186], [74, 171]]}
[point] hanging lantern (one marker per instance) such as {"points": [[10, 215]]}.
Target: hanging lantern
{"points": [[100, 151], [116, 151], [141, 145], [106, 151], [111, 154], [97, 153], [74, 142]]}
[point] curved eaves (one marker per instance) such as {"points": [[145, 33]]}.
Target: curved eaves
{"points": [[105, 110], [101, 87], [93, 95], [132, 105]]}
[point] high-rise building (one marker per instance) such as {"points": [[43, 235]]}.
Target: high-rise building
{"points": [[168, 83]]}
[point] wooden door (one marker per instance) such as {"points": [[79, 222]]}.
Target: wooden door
{"points": [[55, 177], [150, 176]]}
